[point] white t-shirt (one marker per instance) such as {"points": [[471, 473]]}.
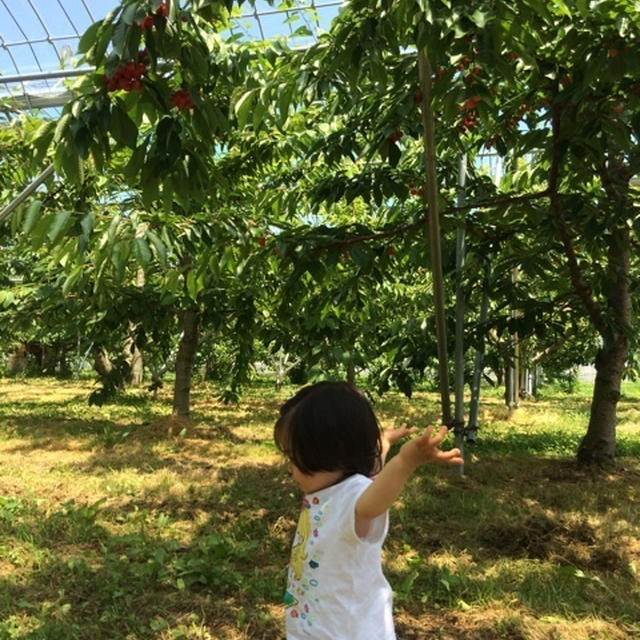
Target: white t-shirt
{"points": [[336, 589]]}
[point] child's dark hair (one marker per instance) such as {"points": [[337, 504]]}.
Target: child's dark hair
{"points": [[329, 426]]}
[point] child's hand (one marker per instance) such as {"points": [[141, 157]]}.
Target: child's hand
{"points": [[426, 448], [393, 435]]}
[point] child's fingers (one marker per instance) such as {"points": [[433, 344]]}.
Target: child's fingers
{"points": [[452, 455], [436, 439]]}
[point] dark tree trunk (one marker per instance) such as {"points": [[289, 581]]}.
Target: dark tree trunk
{"points": [[184, 362], [17, 361], [508, 387], [49, 359], [351, 371], [599, 444], [64, 369]]}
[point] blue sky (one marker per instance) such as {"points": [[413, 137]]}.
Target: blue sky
{"points": [[52, 27]]}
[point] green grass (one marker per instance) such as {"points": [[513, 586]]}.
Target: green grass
{"points": [[117, 522]]}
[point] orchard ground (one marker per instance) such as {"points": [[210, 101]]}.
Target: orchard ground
{"points": [[120, 523]]}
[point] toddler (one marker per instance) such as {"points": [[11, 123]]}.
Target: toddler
{"points": [[336, 589]]}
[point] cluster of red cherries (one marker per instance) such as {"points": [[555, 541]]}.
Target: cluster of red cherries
{"points": [[147, 21], [127, 76], [182, 99]]}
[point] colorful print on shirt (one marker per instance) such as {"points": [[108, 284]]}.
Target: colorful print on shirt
{"points": [[305, 558]]}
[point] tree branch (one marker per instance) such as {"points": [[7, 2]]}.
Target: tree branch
{"points": [[581, 287], [420, 222]]}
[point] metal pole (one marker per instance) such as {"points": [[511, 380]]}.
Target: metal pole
{"points": [[458, 424], [472, 427], [46, 75], [515, 389], [21, 197], [431, 188]]}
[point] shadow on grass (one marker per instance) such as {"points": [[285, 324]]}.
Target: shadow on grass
{"points": [[82, 581], [92, 579]]}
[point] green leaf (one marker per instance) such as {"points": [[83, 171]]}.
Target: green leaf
{"points": [[258, 114], [479, 17], [119, 37], [195, 283], [61, 127], [394, 154], [72, 278], [59, 226], [136, 162], [122, 127], [31, 216], [562, 8], [86, 224], [39, 232], [284, 101], [129, 13], [7, 298], [88, 38], [583, 7], [161, 250], [141, 251], [242, 107], [42, 139]]}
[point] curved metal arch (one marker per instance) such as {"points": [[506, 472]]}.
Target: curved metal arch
{"points": [[35, 80]]}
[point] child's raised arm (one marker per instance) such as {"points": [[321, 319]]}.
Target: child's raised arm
{"points": [[389, 436], [388, 484]]}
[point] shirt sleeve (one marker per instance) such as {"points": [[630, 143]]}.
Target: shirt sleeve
{"points": [[379, 525]]}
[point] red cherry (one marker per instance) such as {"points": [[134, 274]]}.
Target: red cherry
{"points": [[182, 99], [146, 22], [471, 103]]}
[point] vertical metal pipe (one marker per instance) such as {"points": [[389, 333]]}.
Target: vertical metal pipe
{"points": [[459, 332], [472, 427], [431, 189]]}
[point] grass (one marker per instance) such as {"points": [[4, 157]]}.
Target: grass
{"points": [[120, 523]]}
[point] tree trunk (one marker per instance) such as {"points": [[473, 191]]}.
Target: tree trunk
{"points": [[134, 359], [351, 370], [136, 374], [184, 362], [102, 363], [599, 444]]}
